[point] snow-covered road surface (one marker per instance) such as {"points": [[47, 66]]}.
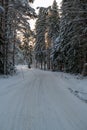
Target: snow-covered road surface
{"points": [[39, 100]]}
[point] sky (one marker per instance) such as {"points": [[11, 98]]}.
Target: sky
{"points": [[42, 3]]}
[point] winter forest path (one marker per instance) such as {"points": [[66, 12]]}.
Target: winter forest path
{"points": [[39, 100]]}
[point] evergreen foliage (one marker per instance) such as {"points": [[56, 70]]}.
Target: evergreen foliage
{"points": [[40, 47], [15, 18], [26, 47], [53, 21], [73, 35], [61, 37]]}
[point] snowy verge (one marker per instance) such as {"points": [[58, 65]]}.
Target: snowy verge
{"points": [[80, 90], [9, 80], [75, 83]]}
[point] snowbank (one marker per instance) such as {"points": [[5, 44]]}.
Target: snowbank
{"points": [[76, 84]]}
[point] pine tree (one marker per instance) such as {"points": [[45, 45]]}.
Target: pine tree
{"points": [[66, 32], [72, 35], [26, 47], [1, 36], [40, 47], [16, 13], [53, 21]]}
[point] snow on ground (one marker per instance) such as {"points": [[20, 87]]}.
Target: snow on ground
{"points": [[40, 100], [78, 84]]}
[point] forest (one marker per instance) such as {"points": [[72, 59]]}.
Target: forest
{"points": [[43, 65], [57, 43]]}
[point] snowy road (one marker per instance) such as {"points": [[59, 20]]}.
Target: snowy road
{"points": [[38, 100]]}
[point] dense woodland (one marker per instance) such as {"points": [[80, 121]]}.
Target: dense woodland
{"points": [[14, 16], [58, 42], [61, 36]]}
